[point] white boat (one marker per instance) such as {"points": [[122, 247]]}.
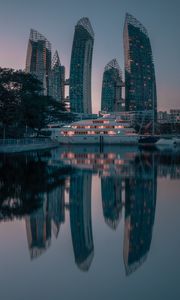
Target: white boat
{"points": [[168, 142], [106, 130]]}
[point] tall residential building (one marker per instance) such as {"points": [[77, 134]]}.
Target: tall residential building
{"points": [[38, 59], [57, 79], [140, 82], [80, 68], [111, 97]]}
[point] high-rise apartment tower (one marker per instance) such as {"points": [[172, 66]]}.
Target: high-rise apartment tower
{"points": [[80, 67], [57, 79], [140, 82], [38, 59], [111, 97]]}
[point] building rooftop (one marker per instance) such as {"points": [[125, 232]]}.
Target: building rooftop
{"points": [[84, 22], [130, 19], [35, 36], [56, 60], [113, 64]]}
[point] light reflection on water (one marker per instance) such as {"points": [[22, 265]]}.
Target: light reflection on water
{"points": [[72, 188]]}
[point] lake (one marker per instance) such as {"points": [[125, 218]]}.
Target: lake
{"points": [[87, 223]]}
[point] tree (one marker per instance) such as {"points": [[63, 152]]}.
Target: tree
{"points": [[23, 104]]}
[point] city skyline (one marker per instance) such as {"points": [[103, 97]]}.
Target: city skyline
{"points": [[108, 41]]}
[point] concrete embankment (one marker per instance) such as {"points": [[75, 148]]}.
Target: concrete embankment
{"points": [[22, 146]]}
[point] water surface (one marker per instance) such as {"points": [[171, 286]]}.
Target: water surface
{"points": [[80, 223]]}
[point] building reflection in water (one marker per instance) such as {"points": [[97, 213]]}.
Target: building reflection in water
{"points": [[49, 216], [33, 187], [140, 205], [38, 229], [111, 191], [80, 219], [135, 171], [56, 207]]}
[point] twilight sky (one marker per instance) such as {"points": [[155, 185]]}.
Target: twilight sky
{"points": [[56, 20]]}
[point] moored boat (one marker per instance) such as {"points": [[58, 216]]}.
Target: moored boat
{"points": [[148, 140], [168, 142], [105, 130]]}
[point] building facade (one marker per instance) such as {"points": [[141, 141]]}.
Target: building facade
{"points": [[140, 82], [80, 67], [57, 79], [175, 115], [111, 97], [38, 59]]}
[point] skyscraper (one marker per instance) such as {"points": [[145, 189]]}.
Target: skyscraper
{"points": [[57, 79], [38, 59], [140, 82], [80, 68], [111, 97]]}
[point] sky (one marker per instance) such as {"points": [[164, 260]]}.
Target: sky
{"points": [[56, 20]]}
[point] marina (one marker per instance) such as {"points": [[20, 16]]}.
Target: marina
{"points": [[89, 150]]}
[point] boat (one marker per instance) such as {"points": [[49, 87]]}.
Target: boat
{"points": [[108, 129], [148, 140], [168, 142]]}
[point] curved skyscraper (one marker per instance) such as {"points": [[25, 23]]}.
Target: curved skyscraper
{"points": [[38, 59], [80, 68], [57, 79], [140, 83], [111, 97]]}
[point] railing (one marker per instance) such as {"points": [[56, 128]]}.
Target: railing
{"points": [[25, 141]]}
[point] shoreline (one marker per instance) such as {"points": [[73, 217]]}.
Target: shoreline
{"points": [[29, 147]]}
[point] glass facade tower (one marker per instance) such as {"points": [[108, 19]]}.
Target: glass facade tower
{"points": [[140, 82], [57, 79], [80, 67], [38, 59], [111, 97]]}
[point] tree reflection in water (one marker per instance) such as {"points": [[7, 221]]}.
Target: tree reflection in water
{"points": [[33, 186]]}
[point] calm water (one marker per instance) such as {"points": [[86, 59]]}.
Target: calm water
{"points": [[77, 223]]}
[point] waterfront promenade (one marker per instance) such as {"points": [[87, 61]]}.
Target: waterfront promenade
{"points": [[26, 144]]}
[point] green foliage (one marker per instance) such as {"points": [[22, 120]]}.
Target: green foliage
{"points": [[22, 102]]}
